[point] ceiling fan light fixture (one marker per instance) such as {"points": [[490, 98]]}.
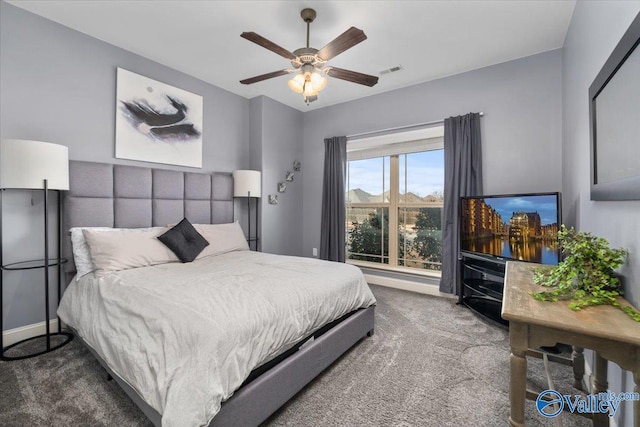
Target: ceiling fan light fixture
{"points": [[310, 90], [296, 84], [318, 81], [314, 83], [309, 84]]}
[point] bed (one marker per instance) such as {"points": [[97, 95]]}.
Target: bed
{"points": [[223, 340]]}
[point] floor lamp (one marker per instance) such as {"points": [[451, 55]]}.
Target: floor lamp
{"points": [[248, 183], [34, 165]]}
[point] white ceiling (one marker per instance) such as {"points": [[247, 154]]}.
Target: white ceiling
{"points": [[429, 39]]}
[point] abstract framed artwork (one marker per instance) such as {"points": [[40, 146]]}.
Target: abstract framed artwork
{"points": [[156, 122]]}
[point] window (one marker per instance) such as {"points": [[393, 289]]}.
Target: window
{"points": [[395, 199]]}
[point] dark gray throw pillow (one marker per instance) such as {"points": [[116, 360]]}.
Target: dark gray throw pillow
{"points": [[184, 241]]}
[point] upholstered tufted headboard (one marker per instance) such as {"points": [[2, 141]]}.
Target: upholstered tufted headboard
{"points": [[106, 195]]}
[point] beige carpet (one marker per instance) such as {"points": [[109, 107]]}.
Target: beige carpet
{"points": [[430, 363]]}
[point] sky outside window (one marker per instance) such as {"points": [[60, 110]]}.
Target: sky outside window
{"points": [[370, 175], [425, 173]]}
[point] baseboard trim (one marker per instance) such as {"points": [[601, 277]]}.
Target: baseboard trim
{"points": [[12, 336], [406, 285]]}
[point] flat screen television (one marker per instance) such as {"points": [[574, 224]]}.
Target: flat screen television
{"points": [[521, 227]]}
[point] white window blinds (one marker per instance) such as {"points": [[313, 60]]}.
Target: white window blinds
{"points": [[415, 141]]}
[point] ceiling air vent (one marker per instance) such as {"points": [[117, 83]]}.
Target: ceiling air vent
{"points": [[391, 70]]}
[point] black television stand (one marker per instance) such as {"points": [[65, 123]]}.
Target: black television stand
{"points": [[481, 284]]}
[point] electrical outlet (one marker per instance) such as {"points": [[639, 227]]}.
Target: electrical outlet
{"points": [[315, 251]]}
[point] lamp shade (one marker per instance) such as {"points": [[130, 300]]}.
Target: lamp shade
{"points": [[26, 164], [247, 183]]}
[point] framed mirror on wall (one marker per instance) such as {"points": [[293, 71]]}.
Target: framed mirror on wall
{"points": [[614, 119]]}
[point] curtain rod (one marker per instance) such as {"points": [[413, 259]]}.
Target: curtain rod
{"points": [[397, 129]]}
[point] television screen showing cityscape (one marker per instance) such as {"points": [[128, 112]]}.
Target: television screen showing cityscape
{"points": [[523, 227]]}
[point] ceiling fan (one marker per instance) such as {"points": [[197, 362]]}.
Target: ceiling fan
{"points": [[309, 63]]}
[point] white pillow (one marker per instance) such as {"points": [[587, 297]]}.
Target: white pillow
{"points": [[222, 238], [121, 250], [81, 254]]}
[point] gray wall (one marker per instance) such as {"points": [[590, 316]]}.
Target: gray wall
{"points": [[596, 28], [521, 129], [58, 85], [276, 141]]}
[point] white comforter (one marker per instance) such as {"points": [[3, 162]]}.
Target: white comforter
{"points": [[185, 336]]}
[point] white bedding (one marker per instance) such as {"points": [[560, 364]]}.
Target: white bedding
{"points": [[185, 336]]}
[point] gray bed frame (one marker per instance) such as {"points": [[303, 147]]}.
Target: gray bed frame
{"points": [[129, 196]]}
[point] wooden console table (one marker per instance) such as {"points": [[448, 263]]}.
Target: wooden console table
{"points": [[532, 324]]}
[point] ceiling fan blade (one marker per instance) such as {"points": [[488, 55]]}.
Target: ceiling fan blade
{"points": [[268, 44], [344, 41], [352, 76], [262, 77]]}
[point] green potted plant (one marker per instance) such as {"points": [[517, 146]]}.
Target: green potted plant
{"points": [[586, 276]]}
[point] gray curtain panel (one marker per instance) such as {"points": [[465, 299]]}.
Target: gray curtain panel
{"points": [[332, 232], [462, 177]]}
